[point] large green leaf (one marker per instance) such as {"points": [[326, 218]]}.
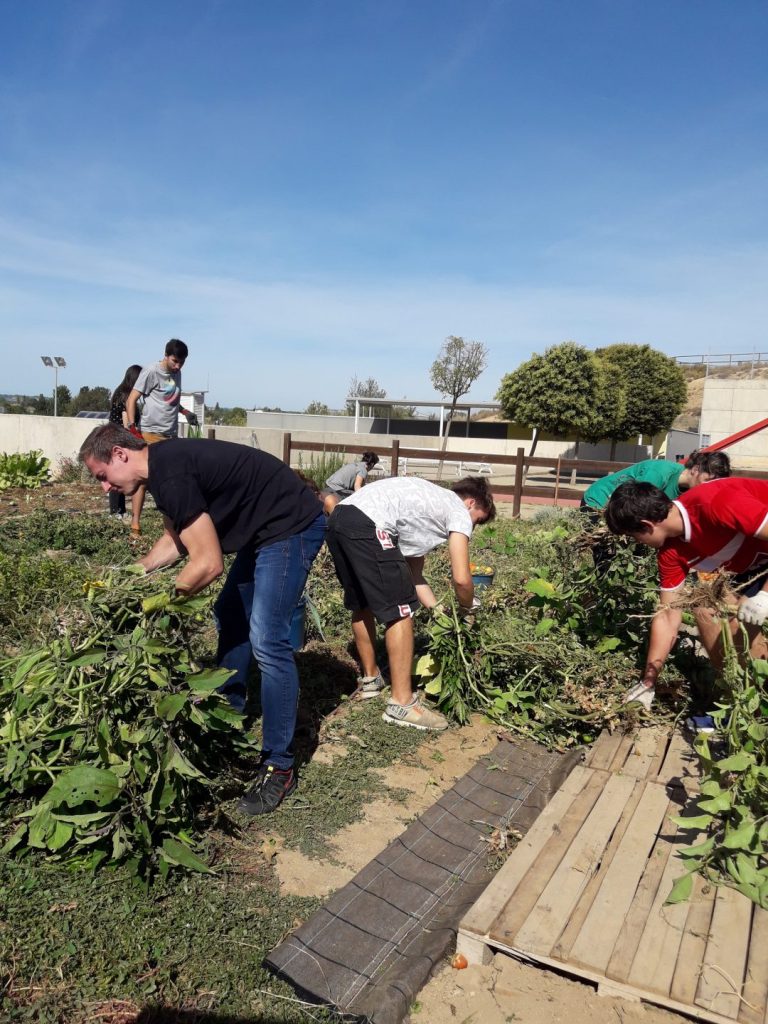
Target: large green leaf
{"points": [[170, 705], [209, 680], [84, 784], [177, 853], [681, 890]]}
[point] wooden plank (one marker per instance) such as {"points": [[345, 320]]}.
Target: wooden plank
{"points": [[653, 965], [540, 869], [603, 749], [563, 946], [754, 1009], [550, 914], [481, 916], [622, 752], [602, 926], [681, 765], [725, 961], [643, 752], [690, 956], [661, 753], [634, 923]]}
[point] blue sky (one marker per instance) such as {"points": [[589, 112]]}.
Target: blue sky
{"points": [[307, 191]]}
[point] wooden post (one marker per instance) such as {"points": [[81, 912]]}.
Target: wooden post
{"points": [[557, 479], [287, 448], [518, 492], [395, 458], [211, 434]]}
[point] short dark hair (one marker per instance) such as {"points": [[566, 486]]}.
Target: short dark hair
{"points": [[176, 348], [717, 464], [635, 501], [101, 440], [477, 487], [370, 459]]}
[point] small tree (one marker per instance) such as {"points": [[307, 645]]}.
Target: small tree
{"points": [[457, 367], [363, 389], [654, 387], [561, 392], [317, 409]]}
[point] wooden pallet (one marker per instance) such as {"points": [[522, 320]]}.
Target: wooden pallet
{"points": [[584, 891]]}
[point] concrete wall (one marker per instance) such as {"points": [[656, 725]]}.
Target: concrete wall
{"points": [[729, 405], [62, 436]]}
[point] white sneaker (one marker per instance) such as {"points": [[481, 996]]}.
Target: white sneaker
{"points": [[641, 693], [369, 686], [414, 715]]}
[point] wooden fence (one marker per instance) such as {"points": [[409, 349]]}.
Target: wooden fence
{"points": [[520, 464]]}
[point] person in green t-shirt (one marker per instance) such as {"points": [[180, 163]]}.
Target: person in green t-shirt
{"points": [[670, 477]]}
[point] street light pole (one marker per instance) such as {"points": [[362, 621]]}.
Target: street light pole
{"points": [[55, 363]]}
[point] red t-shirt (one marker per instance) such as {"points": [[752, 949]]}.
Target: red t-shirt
{"points": [[721, 518]]}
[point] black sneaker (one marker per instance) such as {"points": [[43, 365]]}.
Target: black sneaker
{"points": [[269, 790]]}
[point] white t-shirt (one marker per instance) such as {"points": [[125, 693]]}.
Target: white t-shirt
{"points": [[421, 513]]}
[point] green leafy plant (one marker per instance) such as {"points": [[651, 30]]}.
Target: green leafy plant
{"points": [[321, 465], [732, 810], [112, 736], [23, 469]]}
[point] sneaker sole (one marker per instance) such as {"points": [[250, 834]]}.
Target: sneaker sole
{"points": [[411, 725], [361, 694]]}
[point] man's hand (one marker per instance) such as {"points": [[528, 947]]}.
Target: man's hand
{"points": [[192, 419], [642, 693], [754, 610]]}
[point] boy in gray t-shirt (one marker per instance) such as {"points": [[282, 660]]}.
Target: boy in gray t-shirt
{"points": [[347, 480], [159, 384]]}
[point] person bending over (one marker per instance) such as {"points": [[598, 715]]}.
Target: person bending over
{"points": [[721, 525], [378, 538], [347, 480], [217, 497]]}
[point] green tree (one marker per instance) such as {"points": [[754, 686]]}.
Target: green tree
{"points": [[654, 388], [562, 392], [90, 400], [369, 388], [235, 417], [317, 409], [457, 367]]}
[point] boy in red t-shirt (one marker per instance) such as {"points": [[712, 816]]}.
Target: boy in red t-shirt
{"points": [[723, 524]]}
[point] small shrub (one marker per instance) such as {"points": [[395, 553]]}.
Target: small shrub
{"points": [[321, 466], [70, 471], [23, 469]]}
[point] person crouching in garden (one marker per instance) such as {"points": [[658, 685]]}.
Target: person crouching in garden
{"points": [[218, 497], [721, 525], [378, 538], [347, 480]]}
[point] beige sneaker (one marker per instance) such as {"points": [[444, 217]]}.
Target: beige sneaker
{"points": [[414, 715]]}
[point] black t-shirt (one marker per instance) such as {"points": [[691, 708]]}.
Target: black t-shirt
{"points": [[251, 496]]}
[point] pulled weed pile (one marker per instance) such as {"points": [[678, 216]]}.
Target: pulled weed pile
{"points": [[111, 736], [554, 646]]}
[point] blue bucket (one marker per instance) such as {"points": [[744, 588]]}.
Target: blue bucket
{"points": [[298, 625], [482, 579]]}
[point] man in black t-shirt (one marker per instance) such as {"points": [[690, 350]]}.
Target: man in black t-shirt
{"points": [[215, 498]]}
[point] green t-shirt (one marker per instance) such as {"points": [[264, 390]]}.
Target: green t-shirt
{"points": [[665, 475]]}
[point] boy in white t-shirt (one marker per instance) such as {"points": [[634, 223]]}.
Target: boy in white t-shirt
{"points": [[378, 538]]}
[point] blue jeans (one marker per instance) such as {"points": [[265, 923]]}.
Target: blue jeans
{"points": [[253, 616]]}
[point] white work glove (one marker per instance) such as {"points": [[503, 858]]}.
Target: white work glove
{"points": [[642, 693], [476, 602], [754, 610]]}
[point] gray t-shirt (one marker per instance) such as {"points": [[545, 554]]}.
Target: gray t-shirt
{"points": [[421, 513], [343, 480], [162, 395]]}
